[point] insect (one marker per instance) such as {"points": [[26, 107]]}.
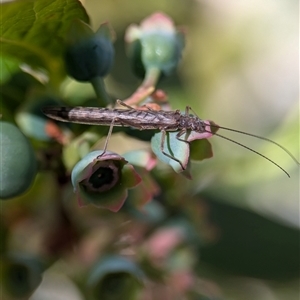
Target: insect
{"points": [[146, 119]]}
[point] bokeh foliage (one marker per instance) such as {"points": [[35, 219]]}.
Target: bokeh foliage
{"points": [[230, 233]]}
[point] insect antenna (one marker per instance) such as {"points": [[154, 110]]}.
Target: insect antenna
{"points": [[261, 138], [254, 151], [246, 147]]}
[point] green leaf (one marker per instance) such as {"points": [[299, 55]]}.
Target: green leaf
{"points": [[33, 122], [8, 67], [78, 148], [141, 158], [200, 149], [34, 31], [175, 148]]}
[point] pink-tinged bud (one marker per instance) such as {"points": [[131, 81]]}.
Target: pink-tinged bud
{"points": [[155, 44], [104, 180]]}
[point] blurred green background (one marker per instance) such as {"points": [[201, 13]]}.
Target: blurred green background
{"points": [[239, 69]]}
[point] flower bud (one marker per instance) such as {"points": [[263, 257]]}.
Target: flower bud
{"points": [[154, 44], [17, 161], [115, 277], [89, 55], [103, 180], [21, 275]]}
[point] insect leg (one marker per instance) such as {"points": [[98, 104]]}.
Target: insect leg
{"points": [[120, 102], [127, 123], [162, 142], [108, 136], [179, 134], [187, 110], [153, 108]]}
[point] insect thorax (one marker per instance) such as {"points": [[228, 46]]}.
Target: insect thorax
{"points": [[191, 123]]}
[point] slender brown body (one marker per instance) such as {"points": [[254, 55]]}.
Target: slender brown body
{"points": [[145, 119], [140, 119]]}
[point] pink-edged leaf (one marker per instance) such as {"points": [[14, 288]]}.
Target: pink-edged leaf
{"points": [[209, 132], [141, 158], [175, 148], [145, 191], [130, 178], [112, 200], [200, 149]]}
